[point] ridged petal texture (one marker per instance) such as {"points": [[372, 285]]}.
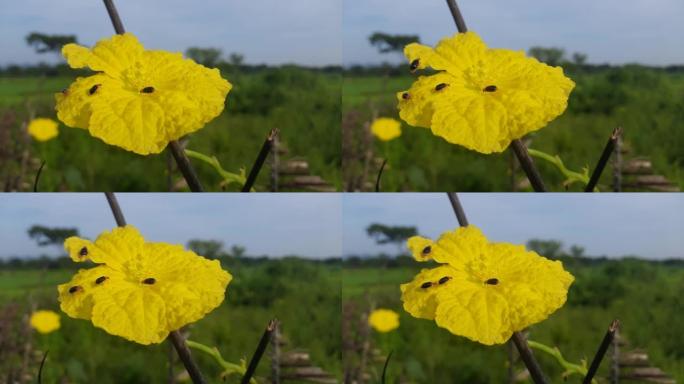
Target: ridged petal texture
{"points": [[481, 98], [139, 100], [481, 290], [140, 291]]}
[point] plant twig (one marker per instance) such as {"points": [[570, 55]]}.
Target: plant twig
{"points": [[259, 162], [261, 347], [175, 148], [176, 339], [40, 370], [384, 368], [377, 181], [458, 209], [518, 147], [605, 343], [603, 160], [35, 182], [518, 339]]}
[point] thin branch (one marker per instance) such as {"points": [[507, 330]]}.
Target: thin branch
{"points": [[527, 164], [377, 181], [40, 370], [528, 358], [259, 162], [384, 368], [603, 161], [185, 166], [458, 209], [607, 340], [458, 17], [261, 347], [518, 147], [35, 182], [175, 148], [518, 339], [176, 339]]}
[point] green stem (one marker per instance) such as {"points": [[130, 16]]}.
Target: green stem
{"points": [[228, 367]]}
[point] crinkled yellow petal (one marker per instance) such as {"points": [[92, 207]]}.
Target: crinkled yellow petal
{"points": [[143, 99], [116, 248], [488, 290], [76, 296], [112, 56], [483, 98]]}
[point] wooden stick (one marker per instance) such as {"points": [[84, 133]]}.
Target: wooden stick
{"points": [[603, 347], [261, 158], [603, 160], [261, 347]]}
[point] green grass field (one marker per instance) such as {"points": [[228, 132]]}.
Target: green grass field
{"points": [[303, 104], [80, 353], [645, 297], [649, 105]]}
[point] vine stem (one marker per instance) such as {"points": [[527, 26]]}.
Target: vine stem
{"points": [[176, 338], [518, 339], [603, 347], [259, 352], [174, 147], [519, 149]]}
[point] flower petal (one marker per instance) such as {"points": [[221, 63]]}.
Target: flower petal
{"points": [[111, 56], [420, 300]]}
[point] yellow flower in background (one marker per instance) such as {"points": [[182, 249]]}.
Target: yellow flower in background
{"points": [[481, 290], [45, 321], [140, 291], [481, 98], [384, 320], [386, 129], [139, 100], [43, 129]]}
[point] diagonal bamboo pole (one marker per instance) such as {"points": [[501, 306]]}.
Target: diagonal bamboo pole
{"points": [[174, 147], [176, 338], [518, 339], [517, 145]]}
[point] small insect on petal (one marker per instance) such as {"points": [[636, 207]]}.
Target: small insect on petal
{"points": [[426, 285], [93, 89], [101, 279], [414, 65], [149, 280], [492, 281], [444, 279], [75, 288], [83, 252], [427, 250], [65, 91], [405, 96], [441, 86], [147, 90], [489, 88]]}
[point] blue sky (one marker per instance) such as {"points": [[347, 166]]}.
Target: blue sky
{"points": [[304, 224], [613, 31], [648, 225], [306, 32]]}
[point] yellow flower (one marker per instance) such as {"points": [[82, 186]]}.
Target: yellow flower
{"points": [[43, 129], [386, 129], [140, 291], [384, 320], [45, 321], [481, 98], [481, 290], [139, 100]]}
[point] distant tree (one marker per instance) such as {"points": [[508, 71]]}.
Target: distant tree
{"points": [[579, 59], [386, 43], [576, 251], [49, 43], [547, 248], [45, 236], [237, 251], [384, 234], [211, 249], [550, 56], [208, 57], [236, 59]]}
